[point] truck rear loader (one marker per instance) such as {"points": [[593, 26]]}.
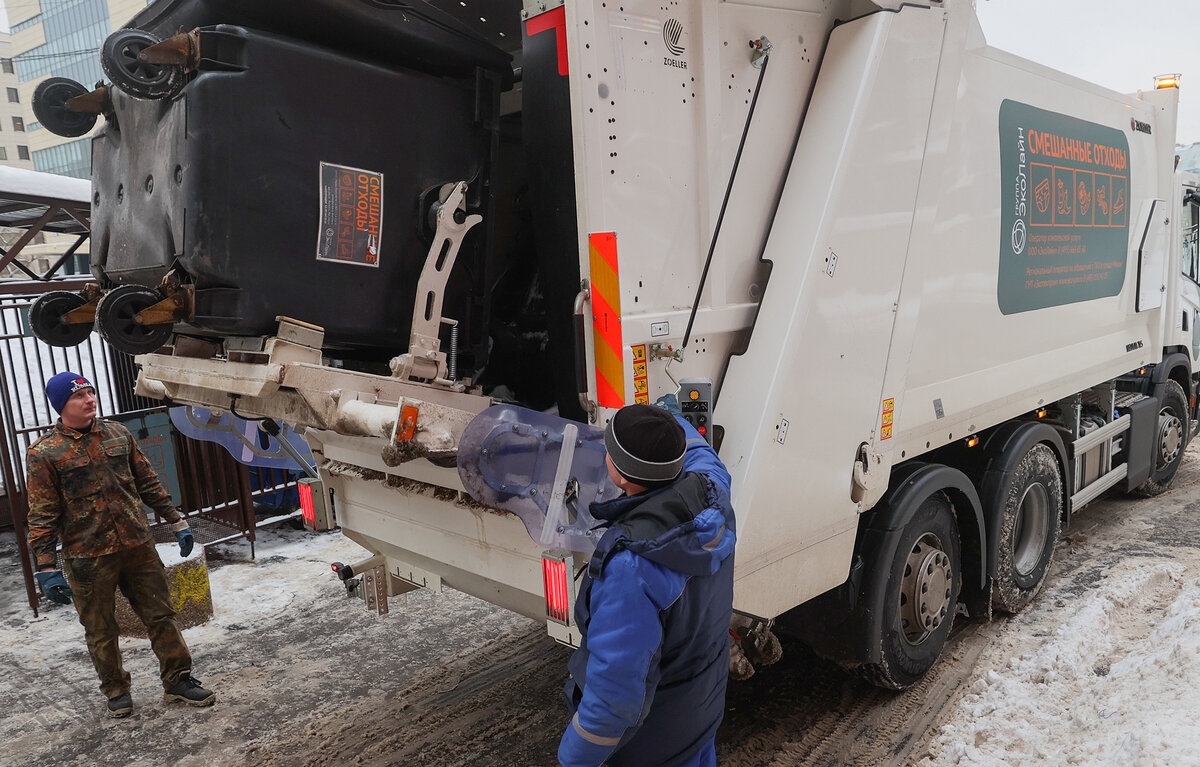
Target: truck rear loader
{"points": [[928, 299]]}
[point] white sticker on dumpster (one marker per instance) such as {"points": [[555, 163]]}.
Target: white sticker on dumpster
{"points": [[351, 215]]}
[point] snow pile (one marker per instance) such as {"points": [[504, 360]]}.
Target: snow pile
{"points": [[1115, 685], [169, 554], [290, 568]]}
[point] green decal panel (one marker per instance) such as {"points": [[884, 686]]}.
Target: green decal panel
{"points": [[1064, 209]]}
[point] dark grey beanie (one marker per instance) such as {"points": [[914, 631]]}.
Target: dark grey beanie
{"points": [[646, 444]]}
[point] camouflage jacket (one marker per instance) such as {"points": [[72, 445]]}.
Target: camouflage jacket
{"points": [[87, 489]]}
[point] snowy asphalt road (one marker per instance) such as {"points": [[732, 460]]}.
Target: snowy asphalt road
{"points": [[1103, 669]]}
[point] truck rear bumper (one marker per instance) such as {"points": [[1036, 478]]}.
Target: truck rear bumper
{"points": [[430, 531]]}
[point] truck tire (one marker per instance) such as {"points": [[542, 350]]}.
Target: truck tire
{"points": [[1030, 521], [1170, 439], [922, 594]]}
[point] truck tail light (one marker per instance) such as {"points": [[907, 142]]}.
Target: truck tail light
{"points": [[316, 506], [557, 581], [306, 506]]}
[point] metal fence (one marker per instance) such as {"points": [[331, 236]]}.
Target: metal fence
{"points": [[218, 493]]}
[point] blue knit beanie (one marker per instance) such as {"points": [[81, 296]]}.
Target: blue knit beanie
{"points": [[60, 388]]}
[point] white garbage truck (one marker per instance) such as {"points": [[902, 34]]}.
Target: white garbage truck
{"points": [[927, 299]]}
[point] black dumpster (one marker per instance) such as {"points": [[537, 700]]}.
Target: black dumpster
{"points": [[291, 177]]}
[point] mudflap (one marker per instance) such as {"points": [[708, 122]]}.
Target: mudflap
{"points": [[545, 469]]}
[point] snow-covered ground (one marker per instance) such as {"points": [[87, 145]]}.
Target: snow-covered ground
{"points": [[1104, 668], [285, 652], [1118, 683]]}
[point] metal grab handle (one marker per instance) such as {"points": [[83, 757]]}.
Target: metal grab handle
{"points": [[581, 378]]}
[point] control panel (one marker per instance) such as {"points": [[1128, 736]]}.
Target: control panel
{"points": [[695, 400]]}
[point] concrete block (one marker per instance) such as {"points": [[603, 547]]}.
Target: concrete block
{"points": [[191, 596]]}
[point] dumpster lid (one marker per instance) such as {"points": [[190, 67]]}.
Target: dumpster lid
{"points": [[411, 33]]}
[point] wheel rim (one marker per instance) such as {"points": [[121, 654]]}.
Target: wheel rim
{"points": [[925, 590], [1170, 437], [127, 61], [1032, 528]]}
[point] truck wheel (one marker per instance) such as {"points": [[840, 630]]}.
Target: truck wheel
{"points": [[1029, 525], [922, 593], [1169, 441]]}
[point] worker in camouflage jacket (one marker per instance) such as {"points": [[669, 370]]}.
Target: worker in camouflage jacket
{"points": [[87, 481], [647, 683]]}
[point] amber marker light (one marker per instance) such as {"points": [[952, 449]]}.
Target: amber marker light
{"points": [[1167, 81], [972, 440], [1041, 413]]}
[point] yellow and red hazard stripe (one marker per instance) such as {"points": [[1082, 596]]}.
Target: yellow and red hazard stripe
{"points": [[606, 319]]}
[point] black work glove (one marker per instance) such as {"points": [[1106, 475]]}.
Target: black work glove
{"points": [[54, 586]]}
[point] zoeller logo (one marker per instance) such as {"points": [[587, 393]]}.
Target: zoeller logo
{"points": [[1138, 125], [672, 30]]}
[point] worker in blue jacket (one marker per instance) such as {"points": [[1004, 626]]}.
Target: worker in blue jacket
{"points": [[648, 681]]}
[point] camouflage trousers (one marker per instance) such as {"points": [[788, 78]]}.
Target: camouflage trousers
{"points": [[140, 575]]}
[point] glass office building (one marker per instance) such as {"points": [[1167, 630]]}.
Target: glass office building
{"points": [[62, 38]]}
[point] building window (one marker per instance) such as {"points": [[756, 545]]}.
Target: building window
{"points": [[18, 124], [3, 153], [7, 66], [73, 158], [22, 152], [27, 23], [74, 30], [13, 98]]}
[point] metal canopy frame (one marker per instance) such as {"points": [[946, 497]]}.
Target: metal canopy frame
{"points": [[43, 202]]}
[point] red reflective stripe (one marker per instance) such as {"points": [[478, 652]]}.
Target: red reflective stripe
{"points": [[556, 20], [607, 323], [605, 244], [606, 394], [606, 319]]}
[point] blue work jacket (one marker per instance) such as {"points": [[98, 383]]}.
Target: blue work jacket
{"points": [[648, 681]]}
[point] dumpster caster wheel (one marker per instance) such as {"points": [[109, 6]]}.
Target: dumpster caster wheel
{"points": [[119, 58], [116, 316], [46, 319], [50, 107]]}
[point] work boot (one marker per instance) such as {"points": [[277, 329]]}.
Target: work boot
{"points": [[188, 690], [121, 706]]}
